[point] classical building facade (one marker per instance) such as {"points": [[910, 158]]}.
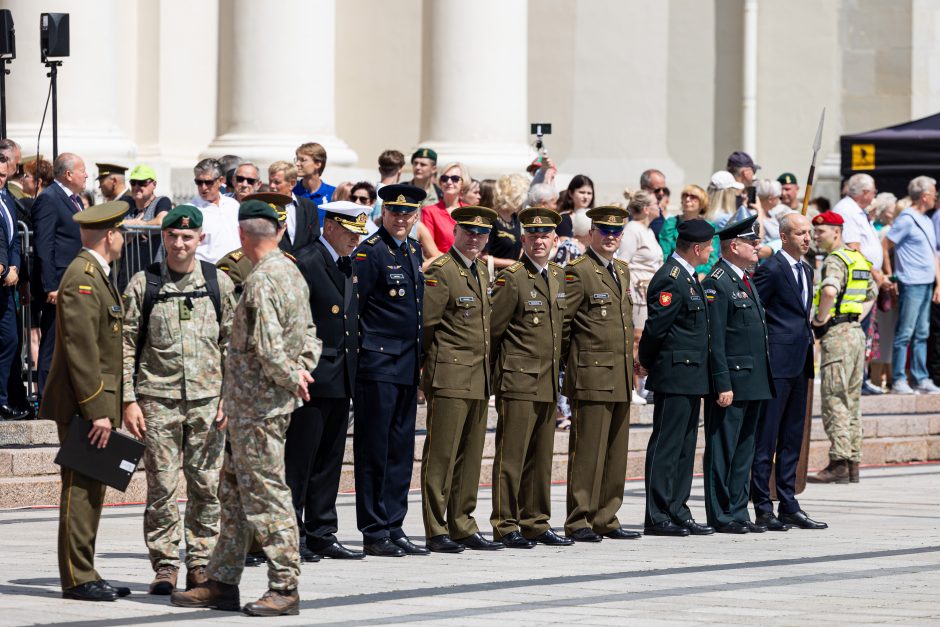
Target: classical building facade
{"points": [[626, 84]]}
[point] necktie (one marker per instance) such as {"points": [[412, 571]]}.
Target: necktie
{"points": [[345, 265], [747, 282], [613, 273], [473, 271], [404, 248], [77, 202], [799, 283]]}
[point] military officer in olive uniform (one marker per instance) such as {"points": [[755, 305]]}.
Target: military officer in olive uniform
{"points": [[598, 380], [456, 382], [391, 288], [85, 384], [526, 331], [674, 350], [741, 379]]}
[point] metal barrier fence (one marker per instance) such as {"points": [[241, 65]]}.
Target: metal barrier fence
{"points": [[142, 246], [27, 366]]}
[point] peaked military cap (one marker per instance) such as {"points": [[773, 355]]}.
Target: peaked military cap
{"points": [[349, 215], [182, 217], [539, 219], [743, 229], [474, 218], [108, 215], [278, 201], [608, 216], [424, 153], [787, 179], [401, 197], [250, 209], [107, 169], [695, 231]]}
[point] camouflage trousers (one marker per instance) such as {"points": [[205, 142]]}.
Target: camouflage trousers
{"points": [[181, 432], [256, 502], [842, 362]]}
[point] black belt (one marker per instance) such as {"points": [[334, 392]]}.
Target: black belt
{"points": [[843, 318]]}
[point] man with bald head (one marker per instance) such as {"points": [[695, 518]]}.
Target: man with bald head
{"points": [[785, 286], [57, 240]]}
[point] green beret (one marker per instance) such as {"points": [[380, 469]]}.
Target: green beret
{"points": [[257, 209], [182, 217], [786, 179], [424, 153]]}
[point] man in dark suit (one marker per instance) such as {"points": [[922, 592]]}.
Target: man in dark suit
{"points": [[57, 241], [674, 350], [316, 438], [9, 276], [391, 289], [303, 223], [785, 287], [741, 380]]}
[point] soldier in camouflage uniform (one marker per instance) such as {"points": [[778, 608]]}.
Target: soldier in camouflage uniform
{"points": [[267, 369], [175, 408]]}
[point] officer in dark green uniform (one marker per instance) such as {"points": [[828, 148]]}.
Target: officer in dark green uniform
{"points": [[456, 382], [526, 336], [598, 380], [85, 383], [674, 350], [741, 378]]}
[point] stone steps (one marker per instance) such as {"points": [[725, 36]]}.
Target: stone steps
{"points": [[897, 429]]}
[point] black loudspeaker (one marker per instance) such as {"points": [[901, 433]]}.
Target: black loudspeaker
{"points": [[54, 35], [7, 36]]}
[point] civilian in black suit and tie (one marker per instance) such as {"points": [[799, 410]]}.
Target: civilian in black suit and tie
{"points": [[9, 276], [785, 287], [57, 240], [303, 223], [316, 438]]}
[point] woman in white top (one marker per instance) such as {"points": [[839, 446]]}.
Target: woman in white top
{"points": [[640, 248]]}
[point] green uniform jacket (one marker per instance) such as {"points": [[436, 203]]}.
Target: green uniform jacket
{"points": [[236, 265], [456, 330], [599, 316], [85, 376], [674, 345], [740, 357], [526, 331]]}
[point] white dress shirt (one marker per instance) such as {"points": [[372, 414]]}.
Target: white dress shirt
{"points": [[685, 264], [857, 229], [220, 228], [796, 268]]}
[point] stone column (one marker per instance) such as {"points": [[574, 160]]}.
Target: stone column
{"points": [[277, 81], [90, 88], [474, 104]]}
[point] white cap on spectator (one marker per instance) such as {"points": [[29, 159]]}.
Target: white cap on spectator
{"points": [[722, 179]]}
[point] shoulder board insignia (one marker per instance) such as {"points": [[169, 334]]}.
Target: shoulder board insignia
{"points": [[515, 267], [621, 262], [717, 273], [556, 265], [291, 257], [89, 268], [575, 262], [361, 255], [440, 261], [372, 240], [236, 255], [674, 273], [84, 289]]}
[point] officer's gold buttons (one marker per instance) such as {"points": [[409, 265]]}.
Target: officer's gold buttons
{"points": [[335, 309]]}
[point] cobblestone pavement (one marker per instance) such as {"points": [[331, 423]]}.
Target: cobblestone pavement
{"points": [[877, 563]]}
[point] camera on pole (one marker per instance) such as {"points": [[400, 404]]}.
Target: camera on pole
{"points": [[54, 45]]}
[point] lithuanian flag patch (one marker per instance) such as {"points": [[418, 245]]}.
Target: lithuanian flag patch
{"points": [[84, 289], [430, 282]]}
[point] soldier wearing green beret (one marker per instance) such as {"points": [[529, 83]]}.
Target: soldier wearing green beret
{"points": [[790, 191], [177, 322], [424, 169], [84, 383]]}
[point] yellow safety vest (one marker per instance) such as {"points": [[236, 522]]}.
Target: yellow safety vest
{"points": [[851, 299]]}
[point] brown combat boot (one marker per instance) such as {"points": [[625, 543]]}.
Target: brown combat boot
{"points": [[221, 596], [836, 472], [196, 576], [853, 472], [275, 603], [165, 580]]}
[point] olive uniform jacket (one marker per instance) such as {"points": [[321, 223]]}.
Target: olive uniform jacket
{"points": [[526, 331], [236, 265], [599, 317], [456, 329], [674, 345], [740, 358], [85, 377]]}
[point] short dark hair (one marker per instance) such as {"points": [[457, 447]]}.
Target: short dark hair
{"points": [[683, 245], [366, 185], [390, 162]]}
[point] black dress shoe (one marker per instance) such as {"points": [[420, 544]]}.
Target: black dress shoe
{"points": [[409, 547], [11, 413], [384, 548], [479, 543], [731, 527], [550, 538], [443, 544], [121, 591], [514, 540], [771, 522], [337, 551], [623, 534], [801, 520], [90, 591], [255, 559], [697, 529], [755, 527], [306, 555], [584, 535], [665, 528]]}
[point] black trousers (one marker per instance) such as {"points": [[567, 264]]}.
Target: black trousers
{"points": [[9, 339], [313, 460], [780, 435], [670, 457], [46, 342], [729, 454], [384, 448]]}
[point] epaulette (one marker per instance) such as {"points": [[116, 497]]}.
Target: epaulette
{"points": [[440, 261], [716, 273], [621, 262], [372, 240], [557, 265], [575, 262], [236, 254], [89, 268], [515, 267], [674, 273], [290, 256]]}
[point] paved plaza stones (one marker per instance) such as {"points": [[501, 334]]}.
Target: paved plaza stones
{"points": [[877, 564]]}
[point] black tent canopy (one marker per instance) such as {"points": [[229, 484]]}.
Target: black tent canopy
{"points": [[894, 155]]}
